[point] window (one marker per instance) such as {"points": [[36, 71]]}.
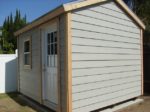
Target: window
{"points": [[27, 53], [52, 49]]}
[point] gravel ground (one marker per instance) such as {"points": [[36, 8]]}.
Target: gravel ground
{"points": [[13, 103]]}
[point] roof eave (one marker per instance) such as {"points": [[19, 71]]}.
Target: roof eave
{"points": [[92, 2], [69, 7], [131, 13], [41, 20]]}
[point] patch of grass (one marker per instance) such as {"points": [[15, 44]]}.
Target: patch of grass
{"points": [[6, 95], [12, 102]]}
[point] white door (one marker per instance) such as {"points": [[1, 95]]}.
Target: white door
{"points": [[50, 63]]}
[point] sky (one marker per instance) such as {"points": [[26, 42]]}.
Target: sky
{"points": [[32, 8]]}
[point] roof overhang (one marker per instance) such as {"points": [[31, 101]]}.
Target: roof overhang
{"points": [[69, 7], [41, 20], [131, 13]]}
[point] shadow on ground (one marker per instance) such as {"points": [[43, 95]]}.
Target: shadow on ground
{"points": [[15, 97], [14, 102]]}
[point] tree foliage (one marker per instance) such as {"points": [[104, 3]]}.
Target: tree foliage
{"points": [[142, 9], [10, 25]]}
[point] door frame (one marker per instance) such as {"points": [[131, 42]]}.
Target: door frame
{"points": [[42, 30]]}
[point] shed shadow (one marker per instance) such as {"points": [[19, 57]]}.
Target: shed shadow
{"points": [[11, 76], [27, 102], [11, 89], [147, 69]]}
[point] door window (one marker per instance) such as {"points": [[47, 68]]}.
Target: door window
{"points": [[52, 49]]}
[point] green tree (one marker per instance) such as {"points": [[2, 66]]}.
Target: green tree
{"points": [[142, 9], [10, 25]]}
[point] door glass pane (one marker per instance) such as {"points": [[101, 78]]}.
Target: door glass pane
{"points": [[52, 38], [55, 36], [48, 38], [52, 48], [48, 50]]}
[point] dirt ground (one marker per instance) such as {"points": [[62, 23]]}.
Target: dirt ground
{"points": [[13, 103], [141, 107]]}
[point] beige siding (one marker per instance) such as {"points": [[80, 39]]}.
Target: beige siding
{"points": [[30, 79], [106, 57]]}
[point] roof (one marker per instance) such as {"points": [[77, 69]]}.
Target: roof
{"points": [[76, 5]]}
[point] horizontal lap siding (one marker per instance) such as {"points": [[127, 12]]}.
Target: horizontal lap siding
{"points": [[126, 95], [101, 64], [96, 43], [106, 57], [30, 79]]}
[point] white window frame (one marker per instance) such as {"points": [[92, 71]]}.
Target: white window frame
{"points": [[27, 66]]}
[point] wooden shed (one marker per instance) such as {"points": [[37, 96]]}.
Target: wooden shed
{"points": [[82, 56]]}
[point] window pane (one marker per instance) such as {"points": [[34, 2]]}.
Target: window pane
{"points": [[48, 38], [27, 46], [52, 38], [27, 53], [27, 59], [55, 36], [52, 49], [48, 49]]}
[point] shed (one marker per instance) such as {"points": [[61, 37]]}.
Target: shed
{"points": [[82, 56]]}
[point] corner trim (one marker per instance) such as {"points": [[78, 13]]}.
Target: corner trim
{"points": [[142, 60], [68, 62]]}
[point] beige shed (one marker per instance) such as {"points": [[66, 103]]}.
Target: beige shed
{"points": [[82, 56]]}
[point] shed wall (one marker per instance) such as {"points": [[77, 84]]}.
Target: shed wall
{"points": [[30, 79], [106, 57]]}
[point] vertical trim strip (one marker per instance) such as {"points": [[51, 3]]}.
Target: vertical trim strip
{"points": [[18, 66], [30, 52], [69, 62], [142, 65], [41, 88], [58, 67]]}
